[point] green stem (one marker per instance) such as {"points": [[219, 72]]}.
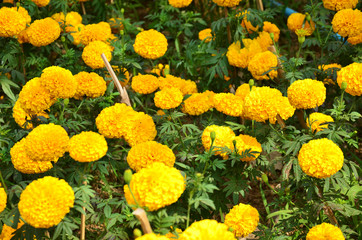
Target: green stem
{"points": [[3, 182], [178, 130], [130, 190], [189, 209]]}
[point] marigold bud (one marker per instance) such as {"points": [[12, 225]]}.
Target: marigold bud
{"points": [[301, 39], [251, 83], [265, 178], [308, 17], [137, 233], [343, 86], [127, 176], [212, 136]]}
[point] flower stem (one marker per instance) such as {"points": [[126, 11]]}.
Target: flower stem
{"points": [[3, 182]]}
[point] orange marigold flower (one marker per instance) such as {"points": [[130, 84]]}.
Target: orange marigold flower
{"points": [[12, 22], [21, 117], [261, 63], [89, 84], [337, 5], [243, 90], [116, 24], [205, 35], [207, 229], [152, 236], [76, 33], [3, 199], [245, 142], [325, 231], [330, 69], [24, 13], [185, 86], [59, 81], [145, 84], [198, 103], [243, 219], [179, 3], [356, 39], [264, 40], [227, 3], [347, 22], [168, 98], [247, 24], [240, 57], [352, 75], [223, 138], [272, 28], [41, 3], [95, 32], [92, 54], [307, 93], [140, 129], [8, 232], [150, 44], [228, 104], [318, 121], [43, 32], [297, 21], [71, 20]]}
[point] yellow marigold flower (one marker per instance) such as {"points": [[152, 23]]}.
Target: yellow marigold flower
{"points": [[224, 138], [87, 147], [245, 142], [207, 229], [168, 98], [318, 121], [140, 129], [20, 116], [264, 40], [34, 98], [197, 103], [92, 54], [145, 84], [330, 68], [261, 63], [320, 158], [8, 1], [155, 187], [297, 21], [352, 75], [12, 22], [23, 13], [185, 86], [347, 22], [41, 3], [59, 81], [89, 84], [43, 32], [152, 236], [307, 93], [240, 57], [95, 32], [247, 24], [272, 28], [45, 202], [8, 232], [205, 35], [150, 44], [3, 199], [179, 3], [227, 3], [228, 104], [22, 37], [46, 142], [337, 5], [356, 39], [71, 20], [145, 154], [243, 219], [325, 231], [23, 163], [116, 24], [243, 90], [76, 33]]}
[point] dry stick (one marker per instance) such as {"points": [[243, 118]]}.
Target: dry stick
{"points": [[142, 217], [83, 8], [280, 121], [122, 91], [260, 5], [82, 220]]}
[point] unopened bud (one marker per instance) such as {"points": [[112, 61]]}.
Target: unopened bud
{"points": [[231, 229], [121, 32], [344, 85], [127, 176], [213, 135], [18, 4], [137, 233], [272, 36], [62, 39], [122, 10], [308, 17], [199, 175], [140, 29], [251, 83], [66, 102], [301, 39], [265, 178]]}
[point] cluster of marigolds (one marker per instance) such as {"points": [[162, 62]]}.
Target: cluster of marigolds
{"points": [[46, 201]]}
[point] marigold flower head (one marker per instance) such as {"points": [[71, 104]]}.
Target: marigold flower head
{"points": [[145, 84], [43, 32], [265, 103], [24, 13], [227, 3], [243, 90], [89, 84], [168, 98], [243, 219], [155, 187], [205, 35], [207, 229], [23, 163], [152, 236], [352, 75], [116, 24], [3, 199], [224, 138], [46, 142], [318, 121], [20, 116], [337, 5], [240, 57], [95, 32], [264, 40], [140, 129], [325, 231], [12, 22], [22, 37], [307, 93], [272, 28], [320, 158], [34, 98], [71, 20], [8, 232], [228, 104], [297, 21], [76, 33], [356, 39], [92, 54], [261, 63], [198, 103], [347, 22], [8, 1], [247, 24], [145, 154], [59, 81], [41, 3], [179, 3], [329, 69], [45, 202], [245, 142], [150, 44], [185, 86]]}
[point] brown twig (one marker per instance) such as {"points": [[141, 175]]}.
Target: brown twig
{"points": [[300, 116], [82, 220], [122, 91], [260, 5], [83, 8], [142, 217], [280, 121]]}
